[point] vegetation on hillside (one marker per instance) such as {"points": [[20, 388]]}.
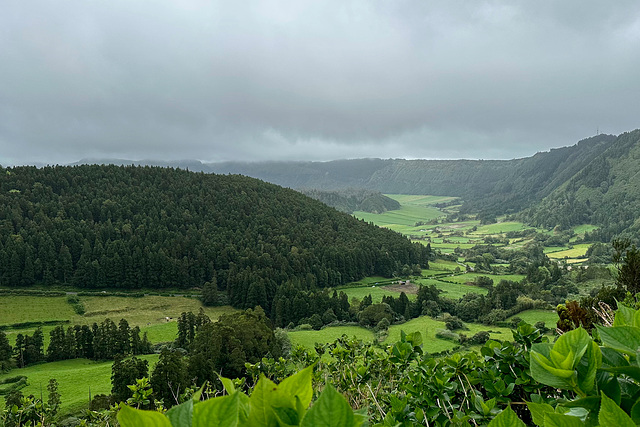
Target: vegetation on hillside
{"points": [[145, 227], [350, 200]]}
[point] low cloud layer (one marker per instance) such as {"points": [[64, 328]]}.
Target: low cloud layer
{"points": [[260, 80]]}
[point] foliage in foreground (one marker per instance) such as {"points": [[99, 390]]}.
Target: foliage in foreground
{"points": [[284, 404], [578, 380]]}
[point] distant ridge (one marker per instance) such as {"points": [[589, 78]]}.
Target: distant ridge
{"points": [[556, 187]]}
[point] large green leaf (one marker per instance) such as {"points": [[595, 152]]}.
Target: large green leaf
{"points": [[227, 384], [572, 344], [624, 316], [220, 411], [630, 371], [561, 420], [507, 418], [543, 371], [611, 357], [538, 410], [260, 402], [182, 414], [130, 417], [588, 366], [299, 385], [612, 415], [622, 338], [330, 410]]}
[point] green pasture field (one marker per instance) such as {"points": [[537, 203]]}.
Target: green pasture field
{"points": [[18, 309], [578, 251], [402, 220], [456, 226], [549, 317], [308, 339], [550, 249], [149, 313], [453, 290], [501, 227], [470, 277], [584, 228], [428, 328], [74, 379], [450, 247], [371, 280], [144, 311], [439, 265], [376, 293], [419, 200]]}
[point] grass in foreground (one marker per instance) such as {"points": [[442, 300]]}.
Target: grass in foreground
{"points": [[75, 378]]}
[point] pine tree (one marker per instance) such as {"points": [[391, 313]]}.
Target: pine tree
{"points": [[53, 399], [125, 372], [5, 352], [169, 377], [210, 293]]}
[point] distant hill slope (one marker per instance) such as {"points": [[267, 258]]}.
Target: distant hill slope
{"points": [[492, 187], [353, 200], [605, 192], [594, 181], [133, 227]]}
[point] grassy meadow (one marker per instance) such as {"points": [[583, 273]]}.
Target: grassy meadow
{"points": [[149, 313], [549, 317], [428, 327], [308, 339], [76, 379]]}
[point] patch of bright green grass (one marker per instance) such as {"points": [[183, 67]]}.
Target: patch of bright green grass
{"points": [[501, 227], [75, 378], [308, 339], [584, 228], [470, 277], [428, 328], [376, 293], [402, 220], [441, 265], [551, 249], [419, 200], [149, 313], [450, 247], [18, 309], [549, 317], [578, 251]]}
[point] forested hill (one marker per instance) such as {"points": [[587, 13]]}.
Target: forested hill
{"points": [[605, 192], [133, 227], [351, 200]]}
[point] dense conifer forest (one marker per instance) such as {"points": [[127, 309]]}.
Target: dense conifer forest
{"points": [[149, 227]]}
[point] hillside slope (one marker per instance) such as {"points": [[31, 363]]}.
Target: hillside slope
{"points": [[354, 200], [488, 186], [605, 192], [134, 227]]}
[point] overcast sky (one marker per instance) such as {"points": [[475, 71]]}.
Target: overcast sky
{"points": [[302, 80]]}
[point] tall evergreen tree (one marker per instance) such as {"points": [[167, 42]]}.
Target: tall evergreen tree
{"points": [[169, 377], [125, 372]]}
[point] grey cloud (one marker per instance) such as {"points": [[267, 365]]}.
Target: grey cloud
{"points": [[219, 80]]}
